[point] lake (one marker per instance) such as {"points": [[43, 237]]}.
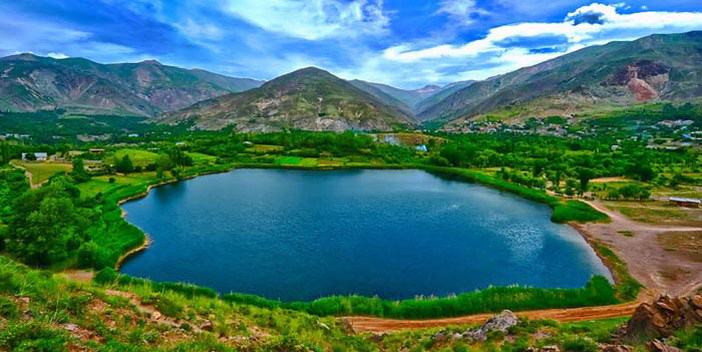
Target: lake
{"points": [[301, 235]]}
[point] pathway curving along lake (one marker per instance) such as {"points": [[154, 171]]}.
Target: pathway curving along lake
{"points": [[301, 235]]}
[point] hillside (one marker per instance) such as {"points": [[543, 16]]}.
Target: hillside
{"points": [[30, 83], [654, 68], [309, 99]]}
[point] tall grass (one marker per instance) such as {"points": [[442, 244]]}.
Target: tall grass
{"points": [[493, 299]]}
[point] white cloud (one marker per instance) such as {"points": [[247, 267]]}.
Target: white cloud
{"points": [[589, 25], [57, 55], [312, 19]]}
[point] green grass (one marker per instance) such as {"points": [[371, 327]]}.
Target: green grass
{"points": [[627, 287], [493, 299], [138, 157], [41, 171], [199, 158]]}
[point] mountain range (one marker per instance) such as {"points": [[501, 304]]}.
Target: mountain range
{"points": [[619, 74], [654, 68], [29, 83]]}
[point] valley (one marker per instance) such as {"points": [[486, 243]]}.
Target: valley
{"points": [[555, 206]]}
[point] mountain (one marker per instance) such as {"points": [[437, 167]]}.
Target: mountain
{"points": [[618, 74], [29, 83], [392, 96], [310, 99]]}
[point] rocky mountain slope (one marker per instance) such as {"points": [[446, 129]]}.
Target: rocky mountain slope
{"points": [[654, 68], [29, 83], [310, 99]]}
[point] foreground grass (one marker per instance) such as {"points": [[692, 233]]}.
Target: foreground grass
{"points": [[41, 311]]}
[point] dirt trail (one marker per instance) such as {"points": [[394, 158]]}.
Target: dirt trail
{"points": [[660, 269], [380, 325], [156, 316]]}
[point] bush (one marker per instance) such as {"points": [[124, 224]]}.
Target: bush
{"points": [[8, 308], [579, 344]]}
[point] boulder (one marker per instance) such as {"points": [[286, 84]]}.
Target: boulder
{"points": [[661, 318], [660, 346], [207, 326], [549, 349], [501, 322], [440, 336], [606, 347]]}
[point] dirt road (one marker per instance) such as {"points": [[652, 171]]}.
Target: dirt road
{"points": [[379, 325]]}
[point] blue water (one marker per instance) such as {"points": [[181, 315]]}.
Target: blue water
{"points": [[300, 235]]}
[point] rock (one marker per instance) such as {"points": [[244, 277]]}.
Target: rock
{"points": [[660, 319], [26, 300], [549, 349], [70, 327], [605, 347], [501, 322], [348, 326], [440, 336], [156, 315], [696, 300], [207, 326], [659, 346], [377, 338], [457, 336]]}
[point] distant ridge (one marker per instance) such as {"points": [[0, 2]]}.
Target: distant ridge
{"points": [[29, 83], [666, 67]]}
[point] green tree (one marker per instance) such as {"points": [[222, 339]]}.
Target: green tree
{"points": [[125, 165], [47, 225], [78, 172]]}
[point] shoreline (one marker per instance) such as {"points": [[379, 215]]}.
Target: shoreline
{"points": [[148, 241], [591, 242]]}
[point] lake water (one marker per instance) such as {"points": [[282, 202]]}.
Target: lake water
{"points": [[300, 235]]}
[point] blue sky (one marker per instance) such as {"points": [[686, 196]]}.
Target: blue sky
{"points": [[406, 43]]}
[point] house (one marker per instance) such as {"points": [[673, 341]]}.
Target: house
{"points": [[96, 150], [72, 153], [133, 135], [40, 156], [685, 202], [422, 148], [614, 147]]}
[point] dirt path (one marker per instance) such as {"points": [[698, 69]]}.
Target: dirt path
{"points": [[156, 316], [379, 325], [660, 269]]}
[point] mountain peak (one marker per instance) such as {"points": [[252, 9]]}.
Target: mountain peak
{"points": [[23, 57], [151, 62]]}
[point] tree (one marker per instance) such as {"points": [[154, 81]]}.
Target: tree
{"points": [[78, 172], [47, 226], [125, 165], [585, 174], [5, 154]]}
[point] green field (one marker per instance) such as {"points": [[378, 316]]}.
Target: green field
{"points": [[41, 171], [138, 157]]}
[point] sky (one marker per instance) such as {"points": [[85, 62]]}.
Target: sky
{"points": [[405, 43]]}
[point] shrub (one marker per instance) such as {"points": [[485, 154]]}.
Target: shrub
{"points": [[579, 344], [8, 308]]}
